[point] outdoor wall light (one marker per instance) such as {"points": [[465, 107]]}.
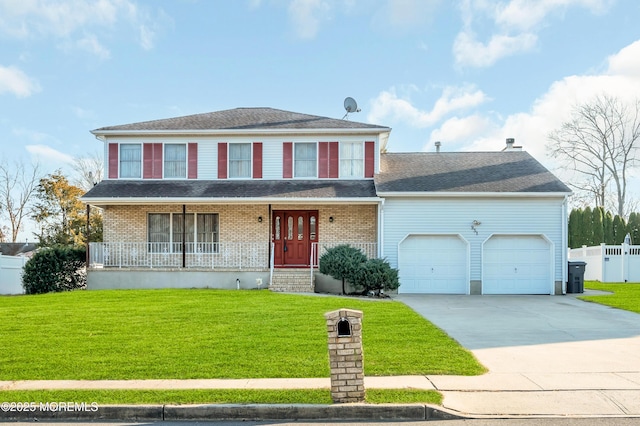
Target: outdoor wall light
{"points": [[331, 219], [260, 219], [475, 224]]}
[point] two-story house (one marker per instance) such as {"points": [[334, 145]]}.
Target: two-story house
{"points": [[250, 197]]}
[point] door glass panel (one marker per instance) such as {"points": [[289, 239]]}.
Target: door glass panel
{"points": [[290, 228], [312, 228], [300, 227], [277, 227]]}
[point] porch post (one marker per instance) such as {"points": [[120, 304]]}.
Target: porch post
{"points": [[184, 234]]}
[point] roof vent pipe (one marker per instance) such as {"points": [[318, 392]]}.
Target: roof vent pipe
{"points": [[510, 143], [438, 146]]}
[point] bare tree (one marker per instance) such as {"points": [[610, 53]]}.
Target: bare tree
{"points": [[89, 171], [17, 186], [600, 143]]}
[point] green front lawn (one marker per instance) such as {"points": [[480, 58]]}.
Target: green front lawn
{"points": [[623, 295], [218, 396], [194, 334]]}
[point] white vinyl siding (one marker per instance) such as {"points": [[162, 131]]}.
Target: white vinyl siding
{"points": [[404, 216], [207, 160], [272, 160]]}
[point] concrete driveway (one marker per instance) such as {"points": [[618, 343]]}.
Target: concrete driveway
{"points": [[550, 355]]}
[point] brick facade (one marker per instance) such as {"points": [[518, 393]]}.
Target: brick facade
{"points": [[239, 222]]}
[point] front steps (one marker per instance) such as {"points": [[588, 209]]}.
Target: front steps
{"points": [[292, 280]]}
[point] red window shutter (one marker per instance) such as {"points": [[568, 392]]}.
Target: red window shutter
{"points": [[323, 159], [287, 160], [193, 160], [157, 161], [147, 161], [222, 160], [334, 160], [152, 161], [257, 160], [113, 161], [369, 159]]}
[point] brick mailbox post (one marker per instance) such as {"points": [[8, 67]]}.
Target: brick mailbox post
{"points": [[344, 327]]}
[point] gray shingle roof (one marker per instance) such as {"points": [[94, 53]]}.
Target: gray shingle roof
{"points": [[242, 119], [506, 171], [203, 189]]}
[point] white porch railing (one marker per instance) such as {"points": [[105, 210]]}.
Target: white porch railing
{"points": [[253, 255]]}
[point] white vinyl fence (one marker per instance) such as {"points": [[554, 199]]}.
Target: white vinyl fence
{"points": [[609, 264], [11, 274]]}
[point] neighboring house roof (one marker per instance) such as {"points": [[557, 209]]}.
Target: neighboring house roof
{"points": [[222, 190], [15, 249], [465, 172], [241, 119]]}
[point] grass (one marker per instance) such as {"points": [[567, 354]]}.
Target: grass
{"points": [[222, 396], [623, 295], [199, 334]]}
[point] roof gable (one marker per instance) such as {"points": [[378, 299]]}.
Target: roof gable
{"points": [[464, 172], [239, 119]]}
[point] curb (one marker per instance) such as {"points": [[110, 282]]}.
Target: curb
{"points": [[255, 412]]}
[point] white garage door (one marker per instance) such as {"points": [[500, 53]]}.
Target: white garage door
{"points": [[517, 264], [433, 264]]}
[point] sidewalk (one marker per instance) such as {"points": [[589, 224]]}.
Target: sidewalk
{"points": [[492, 394]]}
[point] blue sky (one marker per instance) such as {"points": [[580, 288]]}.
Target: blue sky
{"points": [[467, 73]]}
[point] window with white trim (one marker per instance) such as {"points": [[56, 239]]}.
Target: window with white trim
{"points": [[201, 231], [240, 160], [351, 159], [175, 161], [305, 159], [130, 160]]}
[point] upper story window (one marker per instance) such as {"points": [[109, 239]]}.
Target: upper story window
{"points": [[175, 161], [351, 160], [240, 160], [305, 159], [130, 160]]}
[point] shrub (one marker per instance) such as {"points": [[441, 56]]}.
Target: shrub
{"points": [[55, 269], [342, 263], [376, 275]]}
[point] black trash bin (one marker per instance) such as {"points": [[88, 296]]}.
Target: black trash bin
{"points": [[576, 277]]}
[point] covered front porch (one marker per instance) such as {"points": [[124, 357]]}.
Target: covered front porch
{"points": [[244, 246]]}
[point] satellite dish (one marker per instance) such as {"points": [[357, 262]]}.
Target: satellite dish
{"points": [[350, 105]]}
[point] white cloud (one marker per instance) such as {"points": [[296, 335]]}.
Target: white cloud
{"points": [[70, 19], [48, 156], [306, 16], [405, 15], [456, 132], [469, 51], [13, 80], [387, 105], [91, 44], [513, 27]]}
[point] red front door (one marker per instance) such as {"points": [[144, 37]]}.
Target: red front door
{"points": [[293, 232]]}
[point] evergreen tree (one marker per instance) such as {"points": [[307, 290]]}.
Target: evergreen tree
{"points": [[619, 230], [587, 227], [598, 229], [573, 227], [608, 229], [633, 228]]}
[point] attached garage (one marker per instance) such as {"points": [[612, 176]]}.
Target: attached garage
{"points": [[433, 264], [517, 264]]}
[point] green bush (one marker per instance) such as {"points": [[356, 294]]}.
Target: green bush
{"points": [[375, 276], [342, 263], [55, 269]]}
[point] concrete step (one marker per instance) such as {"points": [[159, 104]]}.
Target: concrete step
{"points": [[292, 281]]}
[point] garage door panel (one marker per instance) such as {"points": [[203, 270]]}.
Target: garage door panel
{"points": [[433, 264], [516, 265]]}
